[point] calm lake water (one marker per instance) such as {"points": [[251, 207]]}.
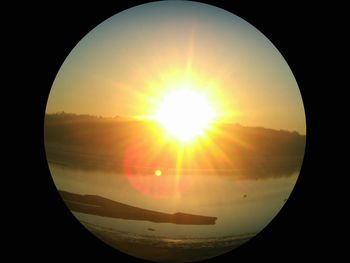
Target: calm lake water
{"points": [[241, 206]]}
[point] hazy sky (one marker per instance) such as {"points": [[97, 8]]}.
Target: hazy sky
{"points": [[127, 64]]}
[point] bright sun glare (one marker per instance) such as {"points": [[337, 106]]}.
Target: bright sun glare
{"points": [[185, 114]]}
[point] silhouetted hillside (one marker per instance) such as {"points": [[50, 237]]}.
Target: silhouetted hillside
{"points": [[141, 147]]}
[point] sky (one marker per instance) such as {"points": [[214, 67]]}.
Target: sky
{"points": [[128, 63]]}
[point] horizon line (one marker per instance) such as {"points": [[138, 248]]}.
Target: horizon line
{"points": [[145, 119]]}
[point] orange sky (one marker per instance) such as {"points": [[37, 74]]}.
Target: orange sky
{"points": [[127, 64]]}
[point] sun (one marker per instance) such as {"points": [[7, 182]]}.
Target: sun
{"points": [[185, 113]]}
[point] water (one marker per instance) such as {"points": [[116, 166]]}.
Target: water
{"points": [[241, 206]]}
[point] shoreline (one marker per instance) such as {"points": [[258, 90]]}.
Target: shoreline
{"points": [[166, 249], [97, 205]]}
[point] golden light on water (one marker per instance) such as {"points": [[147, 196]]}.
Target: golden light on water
{"points": [[185, 114]]}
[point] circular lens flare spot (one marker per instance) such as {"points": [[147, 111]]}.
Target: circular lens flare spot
{"points": [[158, 173]]}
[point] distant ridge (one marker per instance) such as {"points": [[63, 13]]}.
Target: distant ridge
{"points": [[124, 146]]}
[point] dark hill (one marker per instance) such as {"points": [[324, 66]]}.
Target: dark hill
{"points": [[141, 147]]}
